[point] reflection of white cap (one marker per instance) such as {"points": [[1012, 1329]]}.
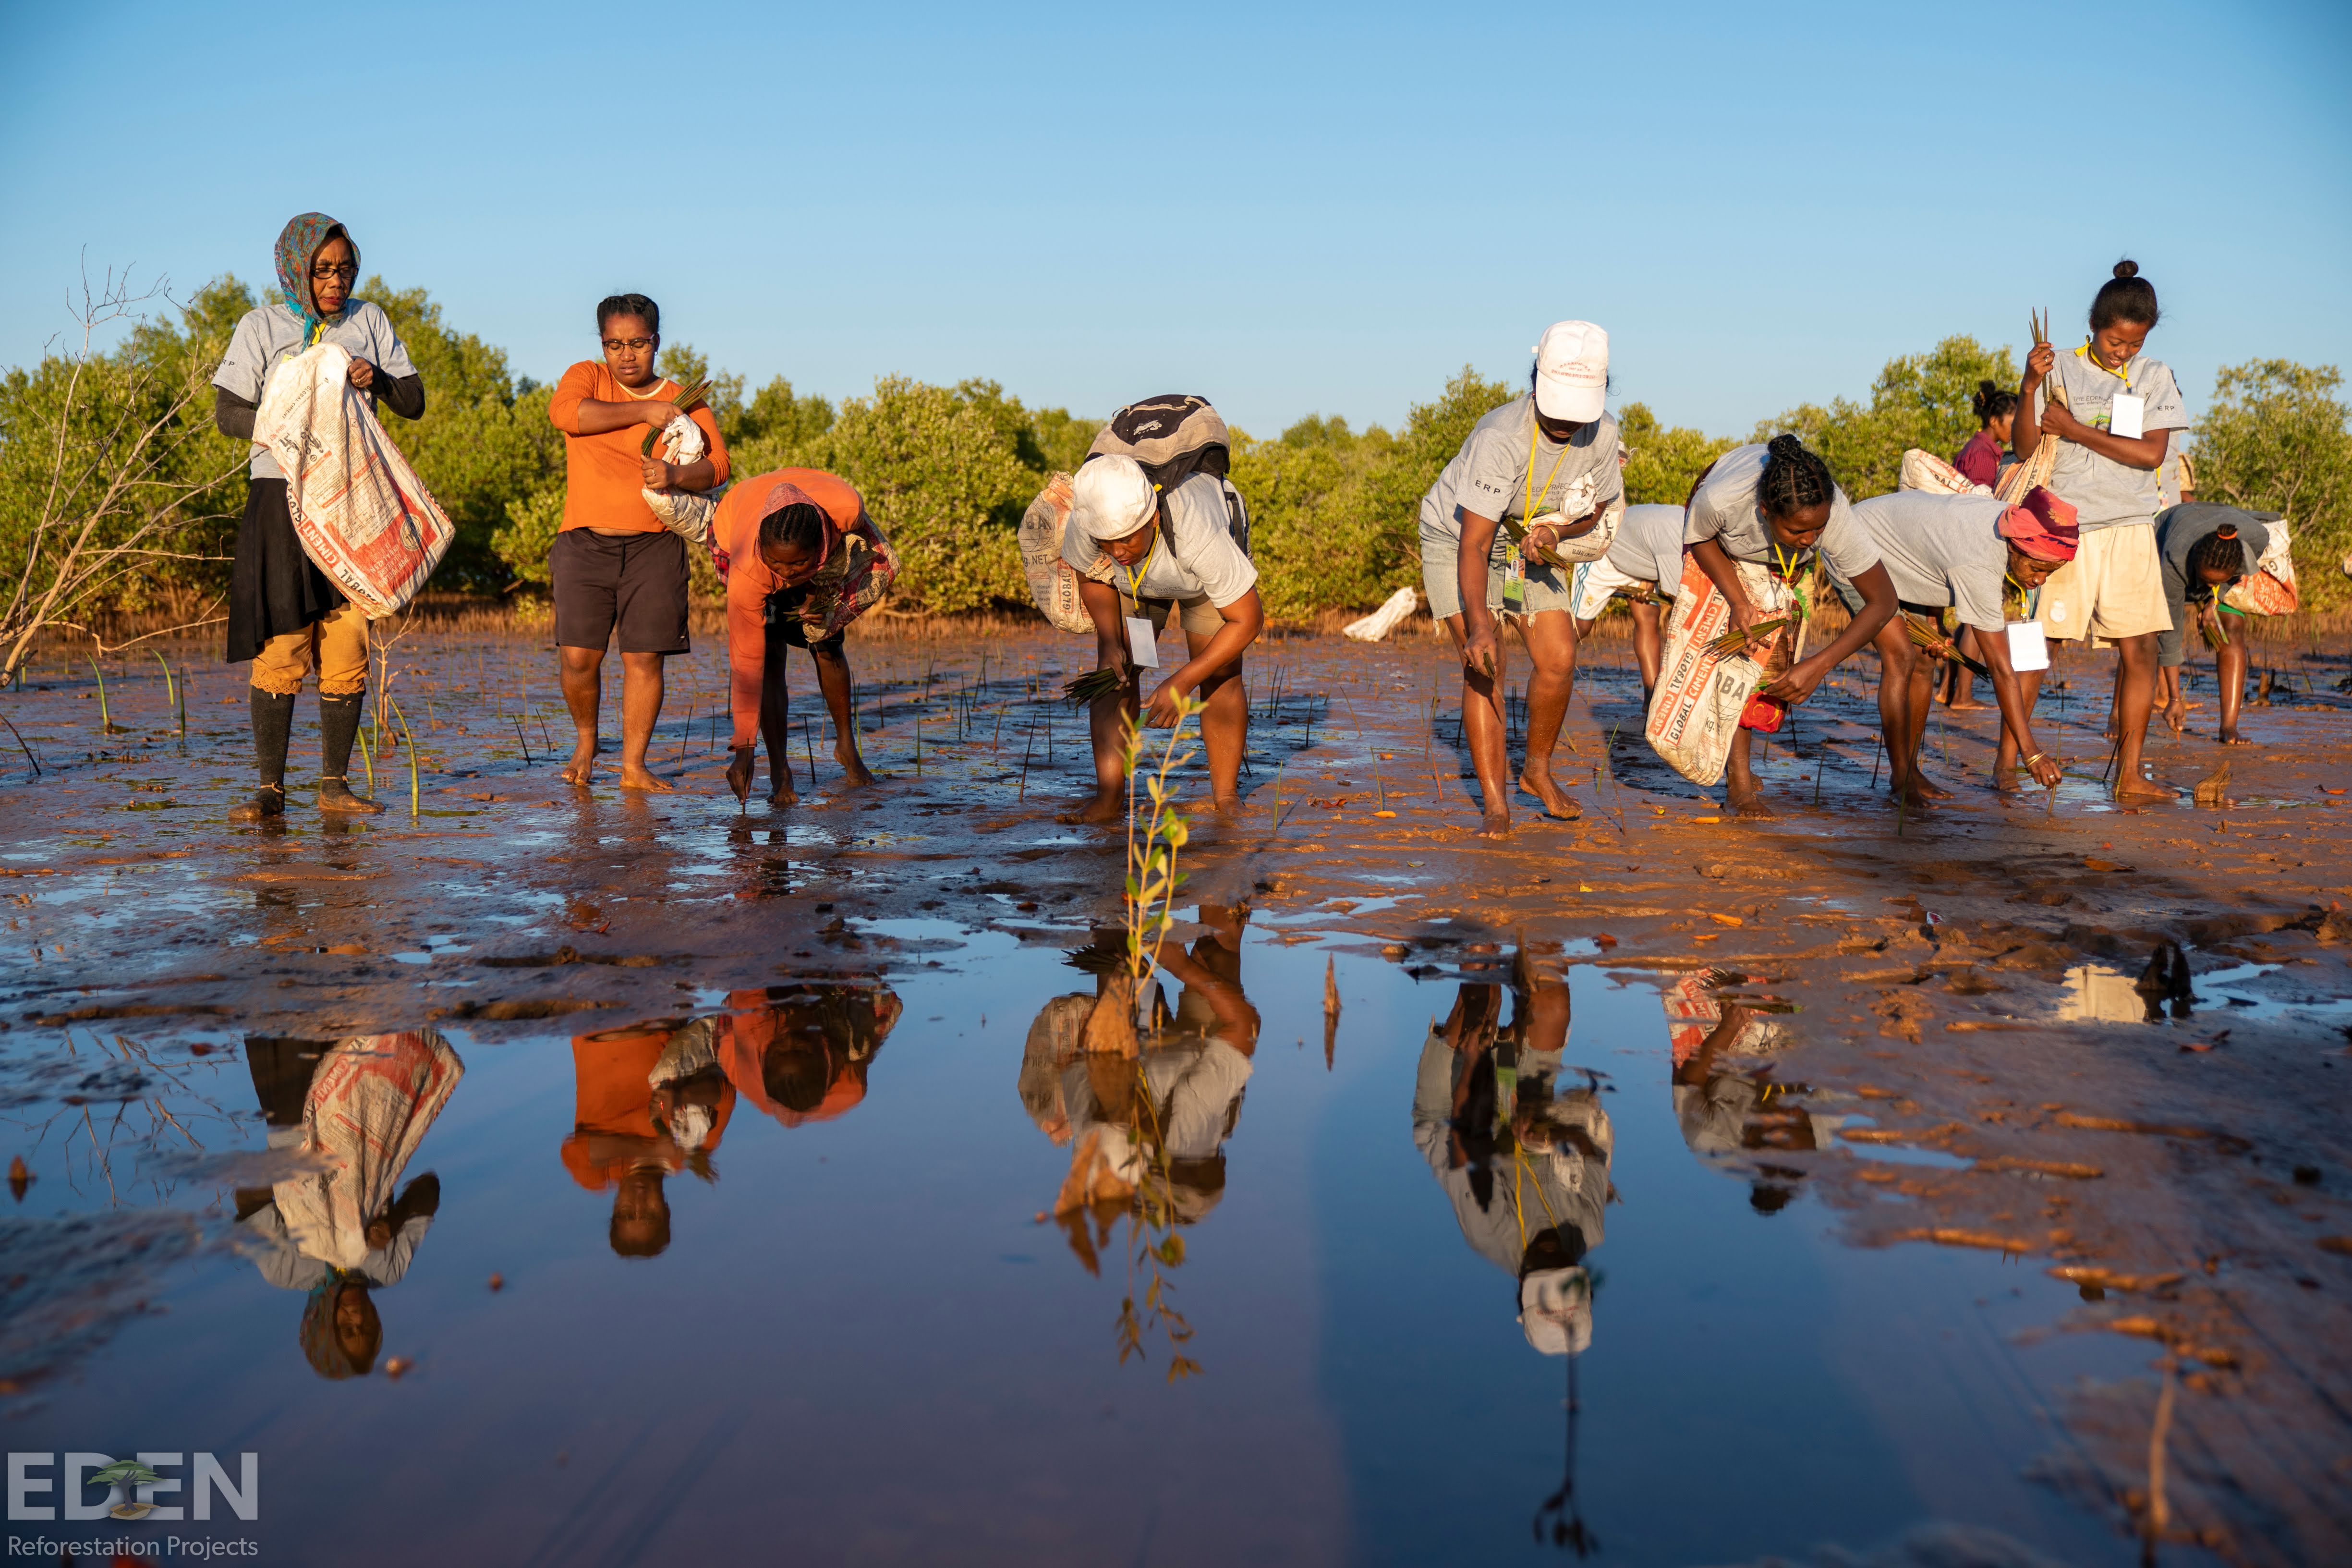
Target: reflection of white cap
{"points": [[1571, 372], [1556, 1311], [1111, 497]]}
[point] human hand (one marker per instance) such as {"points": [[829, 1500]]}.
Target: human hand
{"points": [[2044, 769], [658, 475], [2056, 419], [1160, 713], [738, 774], [2039, 363], [1797, 683], [363, 373], [1481, 649], [656, 413]]}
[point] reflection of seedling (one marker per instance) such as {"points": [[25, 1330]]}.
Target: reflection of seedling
{"points": [[128, 1473]]}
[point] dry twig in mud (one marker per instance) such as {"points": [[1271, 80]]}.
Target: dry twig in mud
{"points": [[127, 476]]}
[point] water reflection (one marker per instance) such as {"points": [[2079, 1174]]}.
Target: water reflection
{"points": [[2098, 993], [353, 1111], [1729, 1105], [654, 1099], [1521, 1150]]}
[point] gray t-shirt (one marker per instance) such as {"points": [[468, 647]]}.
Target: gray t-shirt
{"points": [[1724, 510], [1489, 476], [2178, 531], [269, 334], [1942, 550], [1649, 546], [1205, 562], [2106, 493]]}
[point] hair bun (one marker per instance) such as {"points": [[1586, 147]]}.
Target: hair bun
{"points": [[2127, 268], [1786, 448]]}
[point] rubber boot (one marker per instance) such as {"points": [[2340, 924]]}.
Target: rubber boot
{"points": [[338, 723], [273, 726]]}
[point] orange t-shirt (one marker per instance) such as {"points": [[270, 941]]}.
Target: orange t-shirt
{"points": [[613, 1125], [749, 580], [604, 476]]}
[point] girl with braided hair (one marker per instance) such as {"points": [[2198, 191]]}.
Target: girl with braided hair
{"points": [[2207, 548], [1776, 505]]}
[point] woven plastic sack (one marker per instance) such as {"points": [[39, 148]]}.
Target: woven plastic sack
{"points": [[1377, 625], [686, 513], [1053, 584], [1576, 502], [362, 515], [370, 1106], [1926, 471], [2269, 589], [1702, 695]]}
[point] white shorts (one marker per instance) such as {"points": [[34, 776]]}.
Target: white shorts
{"points": [[1597, 581], [2114, 589]]}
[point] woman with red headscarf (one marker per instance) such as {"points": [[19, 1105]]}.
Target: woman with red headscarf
{"points": [[1963, 552], [802, 561]]}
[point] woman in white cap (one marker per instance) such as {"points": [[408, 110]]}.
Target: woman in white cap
{"points": [[1543, 467], [1143, 556]]}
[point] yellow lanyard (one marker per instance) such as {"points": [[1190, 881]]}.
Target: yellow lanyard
{"points": [[2088, 358], [1142, 569], [1535, 432]]}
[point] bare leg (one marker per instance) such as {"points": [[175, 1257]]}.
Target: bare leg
{"points": [[1960, 685], [2233, 661], [1924, 791], [580, 672], [2004, 756], [2169, 699], [2134, 697], [833, 679], [1551, 654], [1746, 800], [1648, 645], [1107, 721], [1905, 680], [1482, 728], [641, 705], [1224, 726], [776, 725]]}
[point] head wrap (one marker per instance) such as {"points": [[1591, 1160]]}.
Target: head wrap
{"points": [[2042, 526], [784, 493], [299, 243]]}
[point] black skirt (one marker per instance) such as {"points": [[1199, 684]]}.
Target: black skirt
{"points": [[273, 587]]}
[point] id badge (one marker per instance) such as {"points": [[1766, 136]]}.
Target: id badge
{"points": [[1142, 643], [1515, 581], [2029, 649], [2127, 416]]}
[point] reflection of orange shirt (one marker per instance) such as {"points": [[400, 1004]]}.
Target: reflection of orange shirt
{"points": [[604, 476], [612, 1124], [746, 1036]]}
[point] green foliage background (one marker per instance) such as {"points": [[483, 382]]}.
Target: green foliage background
{"points": [[948, 470]]}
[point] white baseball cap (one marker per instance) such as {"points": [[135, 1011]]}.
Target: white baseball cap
{"points": [[1556, 1311], [1571, 372], [1111, 497]]}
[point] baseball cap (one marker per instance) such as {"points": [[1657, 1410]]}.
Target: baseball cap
{"points": [[1111, 497], [1572, 371], [1556, 1311]]}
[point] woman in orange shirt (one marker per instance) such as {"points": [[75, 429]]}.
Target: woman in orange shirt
{"points": [[615, 566], [802, 561]]}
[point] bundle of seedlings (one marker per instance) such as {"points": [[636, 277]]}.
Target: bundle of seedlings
{"points": [[687, 402], [1092, 686], [1940, 646]]}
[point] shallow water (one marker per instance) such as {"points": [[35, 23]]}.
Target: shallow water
{"points": [[859, 1337]]}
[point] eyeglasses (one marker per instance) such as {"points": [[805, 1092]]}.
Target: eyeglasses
{"points": [[322, 271], [637, 345]]}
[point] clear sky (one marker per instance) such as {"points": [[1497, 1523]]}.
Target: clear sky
{"points": [[1292, 209]]}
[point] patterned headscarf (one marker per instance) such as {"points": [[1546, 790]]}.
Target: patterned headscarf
{"points": [[299, 243], [2043, 526]]}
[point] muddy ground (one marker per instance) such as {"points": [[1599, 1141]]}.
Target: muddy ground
{"points": [[1973, 984]]}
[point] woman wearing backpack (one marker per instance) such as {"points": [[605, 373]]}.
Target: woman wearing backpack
{"points": [[284, 614], [1545, 466], [1143, 557]]}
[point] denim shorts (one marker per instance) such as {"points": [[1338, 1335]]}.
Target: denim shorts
{"points": [[1441, 578]]}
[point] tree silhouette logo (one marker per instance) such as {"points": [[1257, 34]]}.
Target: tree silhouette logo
{"points": [[128, 1473]]}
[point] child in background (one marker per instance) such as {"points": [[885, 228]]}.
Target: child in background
{"points": [[2206, 549], [1980, 462], [2121, 412]]}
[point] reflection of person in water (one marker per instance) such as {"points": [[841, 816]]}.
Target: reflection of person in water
{"points": [[649, 1101], [1726, 1097], [1524, 1158], [1148, 1129], [801, 1053], [355, 1111]]}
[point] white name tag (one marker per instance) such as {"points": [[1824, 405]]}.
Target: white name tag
{"points": [[2127, 417], [2028, 648], [1142, 643]]}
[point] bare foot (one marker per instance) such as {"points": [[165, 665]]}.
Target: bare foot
{"points": [[2231, 737], [1556, 802], [853, 767], [2141, 789], [1920, 794], [1102, 808], [582, 765], [1967, 705], [783, 795], [1497, 824], [1228, 805], [634, 776], [1750, 805], [1929, 787]]}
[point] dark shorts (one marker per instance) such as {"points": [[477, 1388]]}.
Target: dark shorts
{"points": [[786, 629], [632, 582]]}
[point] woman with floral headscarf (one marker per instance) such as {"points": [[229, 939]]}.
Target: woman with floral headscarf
{"points": [[284, 614]]}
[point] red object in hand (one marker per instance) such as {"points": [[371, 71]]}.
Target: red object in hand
{"points": [[1764, 714]]}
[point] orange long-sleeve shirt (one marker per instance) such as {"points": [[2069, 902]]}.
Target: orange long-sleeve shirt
{"points": [[604, 476], [750, 580]]}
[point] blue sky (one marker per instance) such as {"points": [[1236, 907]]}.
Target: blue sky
{"points": [[1292, 209]]}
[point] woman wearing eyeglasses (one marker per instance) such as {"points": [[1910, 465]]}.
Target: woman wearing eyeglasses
{"points": [[284, 614]]}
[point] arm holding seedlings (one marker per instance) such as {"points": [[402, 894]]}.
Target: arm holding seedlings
{"points": [[1244, 619], [1708, 554], [1102, 602], [1480, 647], [1878, 606], [2016, 712]]}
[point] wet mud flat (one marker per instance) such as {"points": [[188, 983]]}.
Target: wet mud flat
{"points": [[1669, 1188]]}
